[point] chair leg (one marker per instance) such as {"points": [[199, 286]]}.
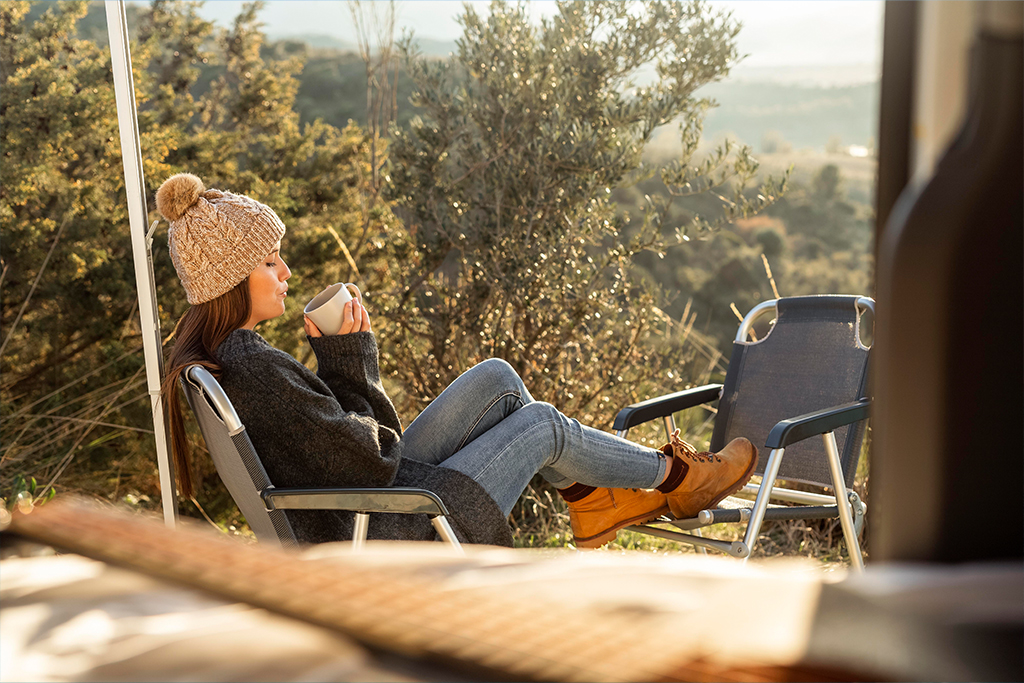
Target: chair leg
{"points": [[860, 511], [359, 532], [843, 502], [444, 530], [761, 502], [700, 549]]}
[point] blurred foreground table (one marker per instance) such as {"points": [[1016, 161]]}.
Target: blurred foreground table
{"points": [[134, 601]]}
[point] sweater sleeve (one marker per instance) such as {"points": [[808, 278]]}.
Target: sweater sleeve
{"points": [[347, 363], [327, 444]]}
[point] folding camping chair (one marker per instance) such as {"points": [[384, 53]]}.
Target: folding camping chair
{"points": [[262, 504], [807, 377]]}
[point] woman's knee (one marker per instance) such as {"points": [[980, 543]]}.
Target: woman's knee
{"points": [[497, 372], [542, 411]]}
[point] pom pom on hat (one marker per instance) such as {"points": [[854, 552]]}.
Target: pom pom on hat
{"points": [[177, 194]]}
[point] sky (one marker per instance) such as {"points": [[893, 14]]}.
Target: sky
{"points": [[808, 32], [808, 35]]}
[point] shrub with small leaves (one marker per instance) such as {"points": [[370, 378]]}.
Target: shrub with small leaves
{"points": [[513, 246]]}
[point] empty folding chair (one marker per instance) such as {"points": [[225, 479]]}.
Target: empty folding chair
{"points": [[262, 504], [800, 395]]}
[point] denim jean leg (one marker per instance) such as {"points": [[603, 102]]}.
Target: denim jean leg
{"points": [[537, 437], [559, 481], [474, 403]]}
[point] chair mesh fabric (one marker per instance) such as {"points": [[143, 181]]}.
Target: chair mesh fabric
{"points": [[811, 359], [261, 482], [240, 469]]}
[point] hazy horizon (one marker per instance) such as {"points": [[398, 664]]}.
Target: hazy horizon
{"points": [[820, 42]]}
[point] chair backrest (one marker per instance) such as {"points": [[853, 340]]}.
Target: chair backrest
{"points": [[234, 456], [811, 359]]}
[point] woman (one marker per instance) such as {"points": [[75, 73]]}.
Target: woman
{"points": [[477, 445]]}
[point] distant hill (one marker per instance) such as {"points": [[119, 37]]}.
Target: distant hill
{"points": [[428, 46], [765, 108], [800, 116]]}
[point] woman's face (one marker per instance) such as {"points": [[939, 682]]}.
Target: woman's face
{"points": [[268, 288]]}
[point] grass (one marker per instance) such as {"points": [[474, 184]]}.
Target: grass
{"points": [[818, 540]]}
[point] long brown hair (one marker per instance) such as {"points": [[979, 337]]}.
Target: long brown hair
{"points": [[197, 335]]}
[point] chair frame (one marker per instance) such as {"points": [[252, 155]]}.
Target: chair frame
{"points": [[848, 506], [361, 501]]}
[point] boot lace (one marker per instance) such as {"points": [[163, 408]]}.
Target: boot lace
{"points": [[680, 447]]}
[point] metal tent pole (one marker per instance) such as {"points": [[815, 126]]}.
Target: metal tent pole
{"points": [[142, 241]]}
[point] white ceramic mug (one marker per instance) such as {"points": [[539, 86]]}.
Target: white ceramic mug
{"points": [[325, 308]]}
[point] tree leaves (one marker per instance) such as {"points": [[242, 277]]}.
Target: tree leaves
{"points": [[504, 182], [61, 156]]}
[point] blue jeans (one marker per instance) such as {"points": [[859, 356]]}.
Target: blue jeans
{"points": [[487, 426]]}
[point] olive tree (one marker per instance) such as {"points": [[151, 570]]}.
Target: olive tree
{"points": [[513, 247]]}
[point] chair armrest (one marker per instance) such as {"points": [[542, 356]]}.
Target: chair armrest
{"points": [[653, 408], [406, 501], [799, 428]]}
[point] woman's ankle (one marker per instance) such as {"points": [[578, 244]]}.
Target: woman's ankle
{"points": [[575, 492], [674, 475]]}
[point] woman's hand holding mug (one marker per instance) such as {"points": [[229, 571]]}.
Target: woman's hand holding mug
{"points": [[335, 311]]}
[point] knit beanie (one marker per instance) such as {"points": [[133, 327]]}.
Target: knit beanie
{"points": [[216, 238]]}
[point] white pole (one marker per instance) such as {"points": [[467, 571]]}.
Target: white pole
{"points": [[135, 189]]}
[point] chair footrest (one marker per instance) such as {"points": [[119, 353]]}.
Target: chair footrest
{"points": [[722, 516]]}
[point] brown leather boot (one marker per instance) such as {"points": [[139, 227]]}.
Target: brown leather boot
{"points": [[709, 477], [596, 517]]}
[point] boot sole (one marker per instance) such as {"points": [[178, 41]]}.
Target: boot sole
{"points": [[736, 486], [609, 535]]}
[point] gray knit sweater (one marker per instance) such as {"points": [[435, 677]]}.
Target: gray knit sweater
{"points": [[338, 428]]}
